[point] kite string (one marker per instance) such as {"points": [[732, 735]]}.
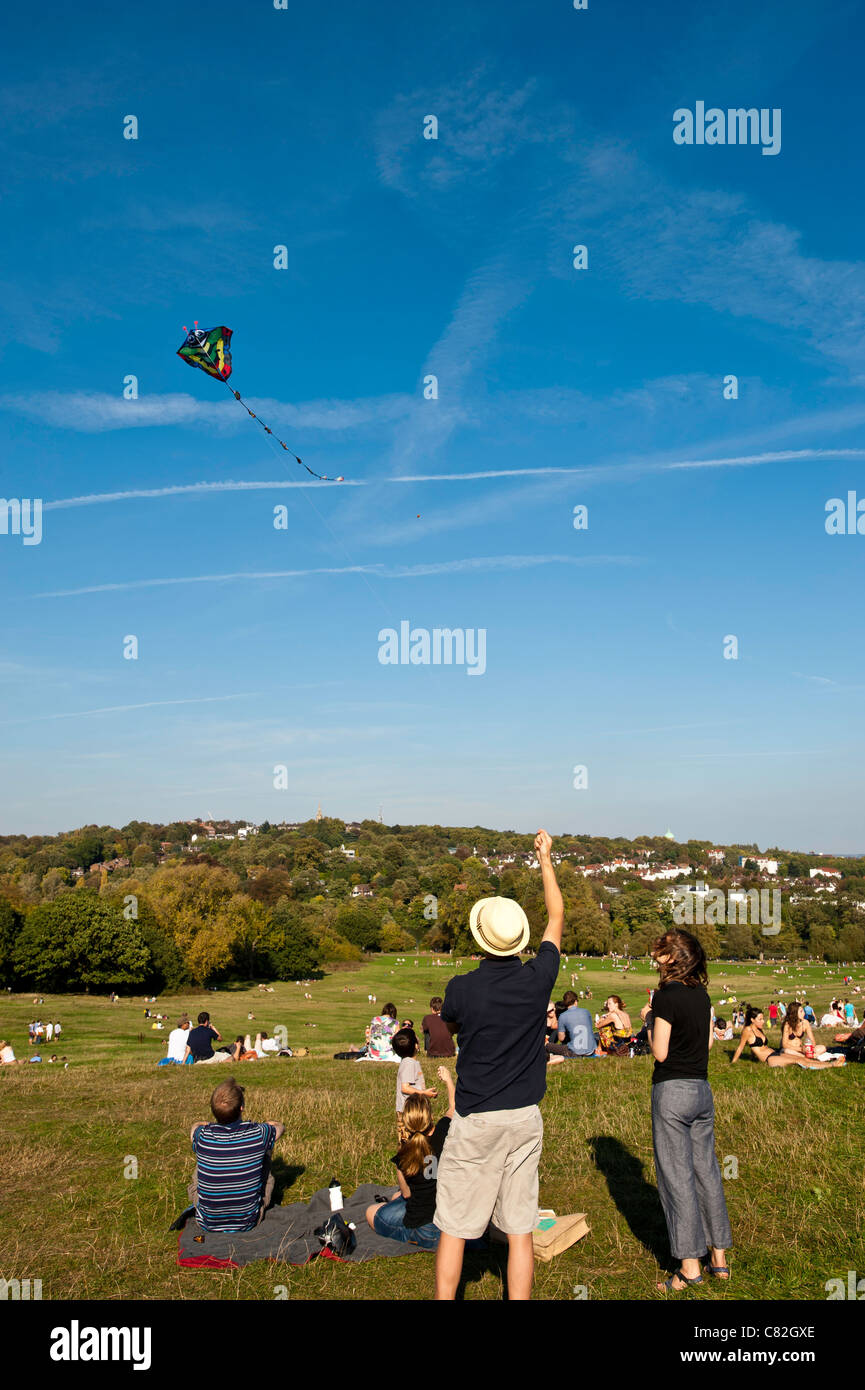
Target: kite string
{"points": [[237, 396], [309, 500]]}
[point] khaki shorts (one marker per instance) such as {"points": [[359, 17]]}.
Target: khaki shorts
{"points": [[489, 1169]]}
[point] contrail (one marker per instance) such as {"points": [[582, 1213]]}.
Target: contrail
{"points": [[477, 564], [592, 471], [118, 709]]}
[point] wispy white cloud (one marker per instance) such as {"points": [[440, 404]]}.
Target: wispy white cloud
{"points": [[479, 126], [600, 472], [96, 411], [474, 564]]}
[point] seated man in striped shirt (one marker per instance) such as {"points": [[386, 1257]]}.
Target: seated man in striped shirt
{"points": [[232, 1185]]}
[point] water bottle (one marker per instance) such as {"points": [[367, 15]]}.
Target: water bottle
{"points": [[335, 1192]]}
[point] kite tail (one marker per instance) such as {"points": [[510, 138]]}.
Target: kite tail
{"points": [[322, 477]]}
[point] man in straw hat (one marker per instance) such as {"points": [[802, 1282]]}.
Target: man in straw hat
{"points": [[489, 1165]]}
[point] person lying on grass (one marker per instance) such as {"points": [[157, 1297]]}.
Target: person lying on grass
{"points": [[856, 1034], [408, 1216], [754, 1036], [232, 1185]]}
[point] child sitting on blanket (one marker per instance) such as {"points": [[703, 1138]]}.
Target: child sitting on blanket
{"points": [[409, 1077], [408, 1216]]}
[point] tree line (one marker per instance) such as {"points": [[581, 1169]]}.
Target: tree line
{"points": [[144, 908]]}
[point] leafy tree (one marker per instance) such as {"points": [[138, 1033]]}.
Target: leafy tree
{"points": [[288, 949], [739, 941], [195, 902], [80, 940], [360, 924], [851, 943], [269, 887], [10, 926], [821, 939]]}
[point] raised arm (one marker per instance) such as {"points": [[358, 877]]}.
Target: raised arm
{"points": [[447, 1079], [552, 893]]}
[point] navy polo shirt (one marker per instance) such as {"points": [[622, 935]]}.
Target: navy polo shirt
{"points": [[501, 1010]]}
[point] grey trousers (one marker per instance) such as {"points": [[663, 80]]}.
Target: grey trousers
{"points": [[689, 1179]]}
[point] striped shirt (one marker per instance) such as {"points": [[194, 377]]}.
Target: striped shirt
{"points": [[231, 1174]]}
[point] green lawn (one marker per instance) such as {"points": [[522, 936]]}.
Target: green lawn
{"points": [[69, 1217]]}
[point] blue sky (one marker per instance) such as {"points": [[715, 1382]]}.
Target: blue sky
{"points": [[409, 257]]}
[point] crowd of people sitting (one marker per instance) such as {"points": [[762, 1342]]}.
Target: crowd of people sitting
{"points": [[478, 1160], [8, 1058], [187, 1045], [382, 1030]]}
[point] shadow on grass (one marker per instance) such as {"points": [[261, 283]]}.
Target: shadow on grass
{"points": [[285, 1175], [635, 1198], [490, 1258]]}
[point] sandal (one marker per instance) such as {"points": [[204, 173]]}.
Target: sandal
{"points": [[718, 1271], [668, 1283]]}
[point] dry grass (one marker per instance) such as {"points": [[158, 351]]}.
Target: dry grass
{"points": [[69, 1217]]}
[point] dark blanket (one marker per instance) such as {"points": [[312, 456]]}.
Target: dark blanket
{"points": [[286, 1233]]}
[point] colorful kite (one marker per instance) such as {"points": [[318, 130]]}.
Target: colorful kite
{"points": [[208, 349]]}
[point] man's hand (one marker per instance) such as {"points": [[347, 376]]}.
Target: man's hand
{"points": [[445, 1076], [543, 844], [645, 1011], [552, 895], [432, 1092]]}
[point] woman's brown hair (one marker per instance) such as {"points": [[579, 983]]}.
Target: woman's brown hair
{"points": [[417, 1118], [619, 1003], [687, 962], [793, 1015]]}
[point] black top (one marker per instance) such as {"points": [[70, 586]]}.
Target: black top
{"points": [[420, 1206], [687, 1009], [501, 1010], [759, 1042], [200, 1041]]}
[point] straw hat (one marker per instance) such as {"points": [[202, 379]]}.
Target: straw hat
{"points": [[499, 926]]}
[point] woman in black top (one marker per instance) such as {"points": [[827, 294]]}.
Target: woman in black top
{"points": [[679, 1022]]}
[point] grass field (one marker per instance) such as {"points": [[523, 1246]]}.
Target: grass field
{"points": [[69, 1217]]}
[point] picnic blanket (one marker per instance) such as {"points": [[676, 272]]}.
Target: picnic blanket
{"points": [[286, 1234]]}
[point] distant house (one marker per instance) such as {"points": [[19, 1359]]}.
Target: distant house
{"points": [[825, 873], [349, 853], [666, 871], [717, 855], [361, 890], [764, 866], [247, 830], [352, 827]]}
